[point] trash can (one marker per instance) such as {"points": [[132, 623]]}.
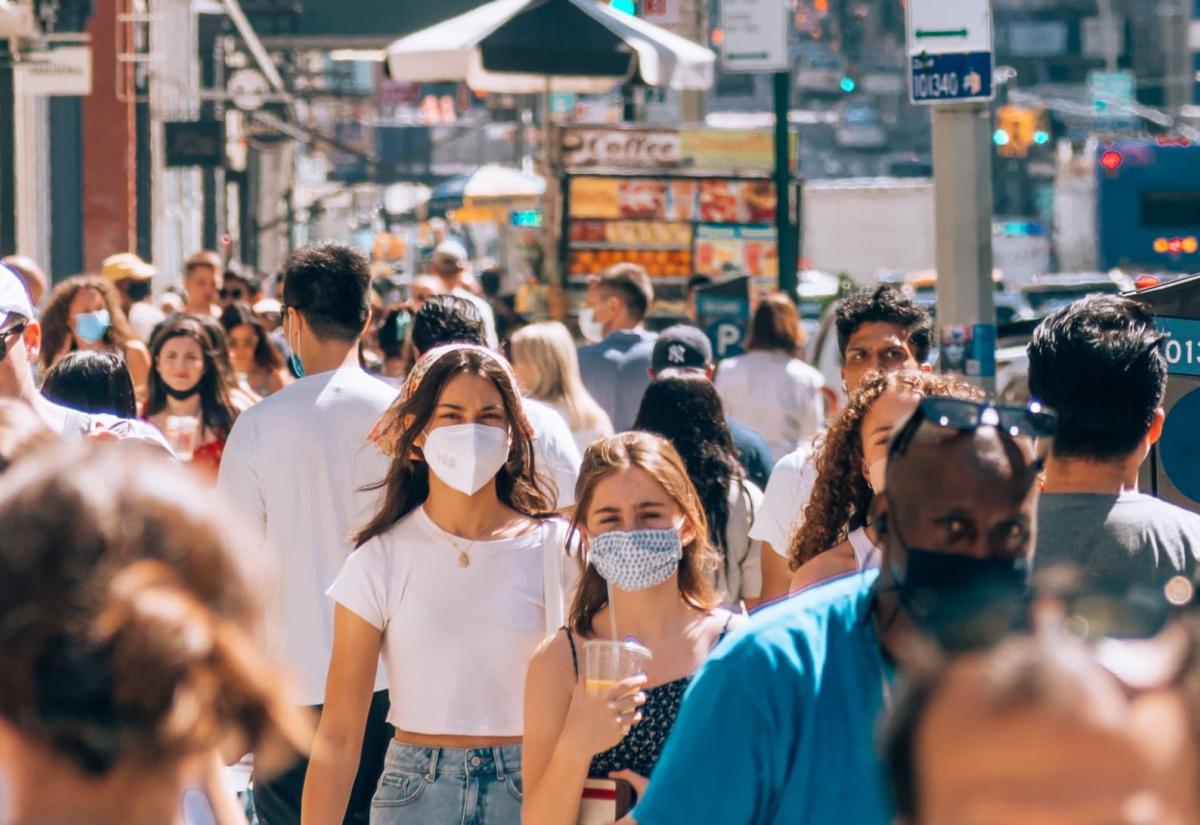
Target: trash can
{"points": [[1173, 469]]}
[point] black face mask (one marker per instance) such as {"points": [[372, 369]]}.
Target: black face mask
{"points": [[180, 395], [962, 602]]}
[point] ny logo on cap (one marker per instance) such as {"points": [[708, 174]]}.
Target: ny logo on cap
{"points": [[676, 354]]}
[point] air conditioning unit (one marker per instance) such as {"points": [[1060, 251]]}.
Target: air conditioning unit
{"points": [[16, 21]]}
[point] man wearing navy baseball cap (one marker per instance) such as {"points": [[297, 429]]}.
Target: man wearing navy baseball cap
{"points": [[684, 348]]}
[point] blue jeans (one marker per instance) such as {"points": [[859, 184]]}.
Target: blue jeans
{"points": [[449, 786]]}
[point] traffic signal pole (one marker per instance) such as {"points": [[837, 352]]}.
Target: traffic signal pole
{"points": [[962, 183]]}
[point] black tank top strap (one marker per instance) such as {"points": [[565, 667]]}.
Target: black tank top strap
{"points": [[574, 653], [725, 629]]}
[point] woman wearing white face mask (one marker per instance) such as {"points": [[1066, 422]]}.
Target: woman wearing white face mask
{"points": [[647, 550], [455, 580], [834, 538]]}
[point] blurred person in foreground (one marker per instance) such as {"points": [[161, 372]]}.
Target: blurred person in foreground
{"points": [[299, 466], [131, 277], [1099, 363], [84, 313], [449, 263], [31, 275], [686, 411], [877, 329], [615, 364], [1040, 731], [685, 350], [547, 366], [20, 347], [128, 639], [448, 319], [93, 382], [771, 385], [780, 723]]}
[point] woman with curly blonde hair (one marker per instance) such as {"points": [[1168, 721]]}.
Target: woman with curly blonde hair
{"points": [[84, 313], [834, 537]]}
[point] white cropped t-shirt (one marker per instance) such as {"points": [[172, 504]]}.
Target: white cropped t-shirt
{"points": [[456, 640]]}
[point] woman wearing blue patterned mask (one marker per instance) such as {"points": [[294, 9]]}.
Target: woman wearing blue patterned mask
{"points": [[647, 579]]}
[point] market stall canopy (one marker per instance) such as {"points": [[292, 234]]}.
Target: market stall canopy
{"points": [[531, 46], [489, 186]]}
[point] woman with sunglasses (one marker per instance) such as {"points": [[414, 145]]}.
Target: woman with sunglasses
{"points": [[834, 537], [84, 313], [455, 580], [650, 561], [256, 361]]}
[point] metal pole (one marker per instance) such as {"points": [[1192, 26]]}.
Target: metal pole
{"points": [[783, 178], [8, 154], [962, 182]]}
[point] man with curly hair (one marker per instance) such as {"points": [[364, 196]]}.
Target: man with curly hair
{"points": [[878, 329]]}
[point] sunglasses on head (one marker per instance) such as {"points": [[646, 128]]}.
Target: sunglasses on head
{"points": [[6, 336], [1031, 421]]}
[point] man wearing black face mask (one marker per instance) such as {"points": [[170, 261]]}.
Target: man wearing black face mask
{"points": [[780, 724]]}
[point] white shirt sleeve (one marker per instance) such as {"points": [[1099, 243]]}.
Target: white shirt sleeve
{"points": [[556, 453], [238, 478], [751, 564], [787, 494], [361, 587]]}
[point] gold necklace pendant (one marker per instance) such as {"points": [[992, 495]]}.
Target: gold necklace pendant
{"points": [[463, 559]]}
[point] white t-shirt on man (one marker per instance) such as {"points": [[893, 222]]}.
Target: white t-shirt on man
{"points": [[296, 465], [556, 455], [787, 494]]}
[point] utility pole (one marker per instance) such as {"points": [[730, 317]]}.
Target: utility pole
{"points": [[784, 229], [951, 63], [962, 190], [8, 152]]}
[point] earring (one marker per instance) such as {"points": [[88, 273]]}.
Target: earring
{"points": [[845, 387]]}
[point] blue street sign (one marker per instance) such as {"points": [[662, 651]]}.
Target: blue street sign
{"points": [[950, 78]]}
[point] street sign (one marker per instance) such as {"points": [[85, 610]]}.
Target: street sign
{"points": [[755, 36], [57, 71], [195, 143], [723, 312], [951, 78], [941, 27]]}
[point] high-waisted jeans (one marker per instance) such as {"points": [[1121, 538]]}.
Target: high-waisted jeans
{"points": [[449, 786]]}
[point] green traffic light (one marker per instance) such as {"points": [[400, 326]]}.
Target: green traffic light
{"points": [[627, 6], [1000, 137], [1041, 138], [848, 85]]}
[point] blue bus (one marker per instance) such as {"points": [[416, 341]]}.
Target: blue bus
{"points": [[1148, 205]]}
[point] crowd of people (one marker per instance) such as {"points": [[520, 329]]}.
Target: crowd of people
{"points": [[397, 553]]}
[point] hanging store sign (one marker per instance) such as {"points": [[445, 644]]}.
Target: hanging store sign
{"points": [[755, 36], [716, 150], [59, 71], [195, 143]]}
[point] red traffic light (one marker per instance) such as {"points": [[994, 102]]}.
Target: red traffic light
{"points": [[1146, 281], [1110, 160]]}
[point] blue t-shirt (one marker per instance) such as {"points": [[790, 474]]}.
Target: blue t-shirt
{"points": [[780, 724]]}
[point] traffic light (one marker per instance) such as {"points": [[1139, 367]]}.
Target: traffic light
{"points": [[848, 84], [1017, 129], [627, 6]]}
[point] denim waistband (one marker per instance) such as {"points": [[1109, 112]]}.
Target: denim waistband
{"points": [[499, 761]]}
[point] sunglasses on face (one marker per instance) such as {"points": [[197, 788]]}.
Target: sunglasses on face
{"points": [[1032, 421], [236, 293], [6, 336]]}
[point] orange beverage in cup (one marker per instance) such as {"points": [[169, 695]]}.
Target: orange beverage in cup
{"points": [[607, 664]]}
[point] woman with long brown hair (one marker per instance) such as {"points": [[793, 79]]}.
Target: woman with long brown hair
{"points": [[128, 635], [834, 537], [84, 313], [455, 580], [188, 383], [771, 387], [649, 567]]}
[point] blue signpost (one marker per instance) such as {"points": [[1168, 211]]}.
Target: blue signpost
{"points": [[958, 77]]}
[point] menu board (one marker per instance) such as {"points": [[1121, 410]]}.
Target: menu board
{"points": [[708, 200], [737, 202], [721, 251]]}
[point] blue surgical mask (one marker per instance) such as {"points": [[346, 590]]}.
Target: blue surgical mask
{"points": [[91, 326], [637, 559], [297, 367]]}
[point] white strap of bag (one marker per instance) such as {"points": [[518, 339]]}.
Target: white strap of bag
{"points": [[553, 550]]}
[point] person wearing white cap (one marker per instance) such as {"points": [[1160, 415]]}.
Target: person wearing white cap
{"points": [[20, 346], [131, 276], [450, 264]]}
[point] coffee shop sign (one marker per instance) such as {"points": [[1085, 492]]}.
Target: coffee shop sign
{"points": [[621, 148]]}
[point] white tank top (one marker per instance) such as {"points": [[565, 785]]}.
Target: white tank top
{"points": [[866, 554]]}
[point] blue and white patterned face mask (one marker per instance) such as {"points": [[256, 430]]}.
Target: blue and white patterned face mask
{"points": [[638, 559]]}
